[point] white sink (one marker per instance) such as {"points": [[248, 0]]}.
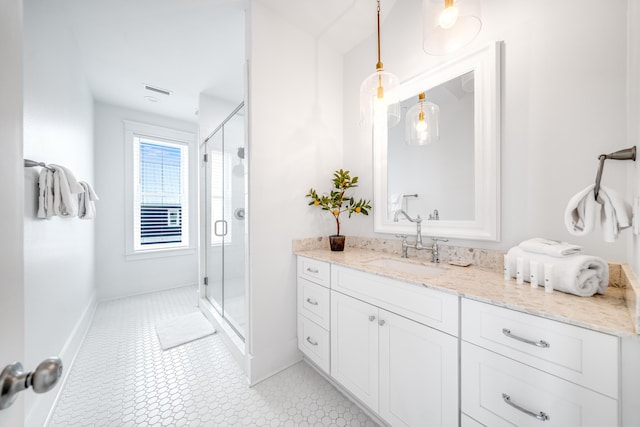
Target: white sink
{"points": [[407, 267]]}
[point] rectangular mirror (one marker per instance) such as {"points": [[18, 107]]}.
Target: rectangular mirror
{"points": [[453, 181]]}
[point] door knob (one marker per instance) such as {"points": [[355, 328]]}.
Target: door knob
{"points": [[13, 379]]}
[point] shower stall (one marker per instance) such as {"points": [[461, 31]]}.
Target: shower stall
{"points": [[225, 226]]}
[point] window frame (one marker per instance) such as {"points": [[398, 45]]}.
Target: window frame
{"points": [[161, 134]]}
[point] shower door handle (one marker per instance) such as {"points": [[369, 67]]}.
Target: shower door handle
{"points": [[216, 228]]}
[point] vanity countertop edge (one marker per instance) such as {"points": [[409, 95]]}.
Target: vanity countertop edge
{"points": [[615, 312]]}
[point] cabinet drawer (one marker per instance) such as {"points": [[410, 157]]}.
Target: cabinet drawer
{"points": [[313, 341], [467, 421], [579, 355], [313, 302], [427, 306], [314, 271], [498, 391]]}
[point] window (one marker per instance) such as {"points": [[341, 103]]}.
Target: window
{"points": [[160, 172], [158, 202]]}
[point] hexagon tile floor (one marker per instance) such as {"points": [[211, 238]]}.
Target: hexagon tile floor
{"points": [[121, 377]]}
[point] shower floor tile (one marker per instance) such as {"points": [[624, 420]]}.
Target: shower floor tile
{"points": [[121, 377]]}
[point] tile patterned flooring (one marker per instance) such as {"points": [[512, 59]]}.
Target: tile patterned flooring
{"points": [[121, 377]]}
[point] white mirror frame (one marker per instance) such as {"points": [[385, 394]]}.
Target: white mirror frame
{"points": [[485, 63]]}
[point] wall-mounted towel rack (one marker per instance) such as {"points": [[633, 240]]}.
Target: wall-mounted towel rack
{"points": [[626, 154], [32, 163]]}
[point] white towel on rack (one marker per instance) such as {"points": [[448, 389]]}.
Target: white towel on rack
{"points": [[580, 215], [45, 194], [394, 204], [86, 199], [65, 199], [616, 214], [582, 275], [550, 247]]}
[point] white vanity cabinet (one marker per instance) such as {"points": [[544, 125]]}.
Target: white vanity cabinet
{"points": [[313, 310], [404, 370], [520, 369]]}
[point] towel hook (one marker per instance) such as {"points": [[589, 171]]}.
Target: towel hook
{"points": [[626, 154]]}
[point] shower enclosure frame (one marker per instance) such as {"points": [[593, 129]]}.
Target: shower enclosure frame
{"points": [[216, 312]]}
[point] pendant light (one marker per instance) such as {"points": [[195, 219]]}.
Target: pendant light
{"points": [[421, 123], [375, 92], [448, 28]]}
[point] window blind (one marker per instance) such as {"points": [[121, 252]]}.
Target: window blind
{"points": [[160, 208]]}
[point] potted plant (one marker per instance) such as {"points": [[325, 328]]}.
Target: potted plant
{"points": [[337, 202]]}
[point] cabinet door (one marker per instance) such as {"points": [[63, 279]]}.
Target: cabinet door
{"points": [[354, 347], [418, 373]]}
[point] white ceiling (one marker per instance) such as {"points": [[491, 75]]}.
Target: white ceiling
{"points": [[192, 46]]}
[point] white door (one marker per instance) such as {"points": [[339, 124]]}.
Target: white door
{"points": [[11, 195], [354, 347], [418, 373]]}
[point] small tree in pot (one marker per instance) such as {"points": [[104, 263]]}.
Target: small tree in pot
{"points": [[337, 202]]}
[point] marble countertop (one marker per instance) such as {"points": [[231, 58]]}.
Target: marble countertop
{"points": [[615, 312]]}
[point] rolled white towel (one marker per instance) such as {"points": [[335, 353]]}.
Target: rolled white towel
{"points": [[582, 275], [550, 247]]}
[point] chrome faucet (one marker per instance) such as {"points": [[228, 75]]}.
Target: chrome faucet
{"points": [[418, 244], [435, 249]]}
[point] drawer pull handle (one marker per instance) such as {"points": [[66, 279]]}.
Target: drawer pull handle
{"points": [[541, 343], [372, 318], [312, 270], [312, 302], [312, 342], [539, 416], [381, 322]]}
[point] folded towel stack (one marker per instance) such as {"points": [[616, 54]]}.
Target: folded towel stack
{"points": [[572, 272], [615, 213], [60, 194]]}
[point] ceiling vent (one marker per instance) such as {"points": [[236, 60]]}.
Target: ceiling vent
{"points": [[158, 90]]}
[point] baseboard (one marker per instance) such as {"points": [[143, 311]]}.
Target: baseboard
{"points": [[135, 294], [346, 393], [44, 404], [268, 363]]}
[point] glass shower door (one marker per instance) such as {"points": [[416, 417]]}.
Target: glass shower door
{"points": [[225, 208]]}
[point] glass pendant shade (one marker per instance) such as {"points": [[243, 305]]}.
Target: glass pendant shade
{"points": [[449, 25], [375, 99], [421, 123], [376, 92]]}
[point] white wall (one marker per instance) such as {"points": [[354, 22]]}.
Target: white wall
{"points": [[11, 194], [116, 276], [295, 142], [563, 104], [58, 253], [633, 112]]}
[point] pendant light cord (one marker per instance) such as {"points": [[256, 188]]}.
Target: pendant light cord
{"points": [[379, 65]]}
